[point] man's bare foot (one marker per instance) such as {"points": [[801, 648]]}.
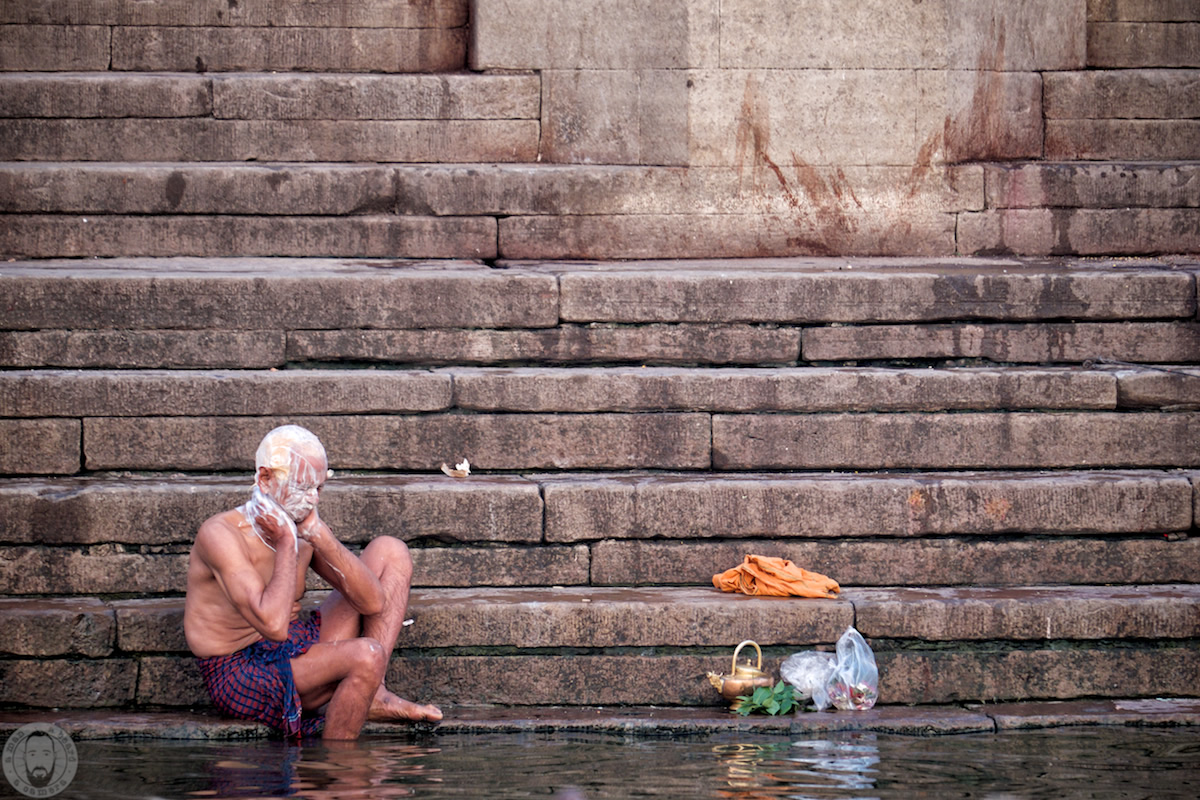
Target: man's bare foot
{"points": [[387, 707]]}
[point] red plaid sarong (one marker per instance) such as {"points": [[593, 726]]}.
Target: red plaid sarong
{"points": [[256, 682]]}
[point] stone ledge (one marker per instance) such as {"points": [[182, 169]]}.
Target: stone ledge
{"points": [[652, 721], [597, 618]]}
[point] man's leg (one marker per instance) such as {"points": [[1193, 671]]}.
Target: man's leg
{"points": [[345, 675], [388, 558]]}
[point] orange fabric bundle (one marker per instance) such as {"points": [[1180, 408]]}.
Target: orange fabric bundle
{"points": [[778, 577]]}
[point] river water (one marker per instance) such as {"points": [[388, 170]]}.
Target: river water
{"points": [[1108, 762]]}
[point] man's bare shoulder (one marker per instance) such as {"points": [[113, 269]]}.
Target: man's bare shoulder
{"points": [[218, 533]]}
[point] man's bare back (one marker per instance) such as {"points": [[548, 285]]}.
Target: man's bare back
{"points": [[246, 577]]}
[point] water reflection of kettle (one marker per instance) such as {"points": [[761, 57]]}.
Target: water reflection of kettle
{"points": [[743, 680]]}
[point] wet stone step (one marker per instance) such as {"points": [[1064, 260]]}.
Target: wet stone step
{"points": [[581, 508], [269, 293], [259, 96], [167, 509], [943, 561], [53, 393], [956, 561], [273, 13], [669, 617], [870, 290], [365, 236], [1108, 184], [197, 139], [1086, 231], [1035, 343], [272, 294], [955, 441], [109, 571], [968, 673]]}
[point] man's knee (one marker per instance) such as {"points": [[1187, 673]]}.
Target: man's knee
{"points": [[367, 659], [391, 552]]}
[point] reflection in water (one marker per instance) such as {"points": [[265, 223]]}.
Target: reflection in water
{"points": [[844, 764], [1114, 762], [337, 770]]}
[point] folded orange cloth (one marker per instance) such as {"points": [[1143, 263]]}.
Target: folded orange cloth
{"points": [[778, 577]]}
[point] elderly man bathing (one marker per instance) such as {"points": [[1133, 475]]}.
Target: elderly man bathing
{"points": [[246, 575]]}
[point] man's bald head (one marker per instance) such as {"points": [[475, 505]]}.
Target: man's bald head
{"points": [[291, 466]]}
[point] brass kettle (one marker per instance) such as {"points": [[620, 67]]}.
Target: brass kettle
{"points": [[743, 680]]}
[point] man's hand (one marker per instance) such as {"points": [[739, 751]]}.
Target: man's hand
{"points": [[312, 528], [281, 531]]}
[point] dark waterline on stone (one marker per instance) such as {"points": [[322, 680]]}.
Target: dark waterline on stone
{"points": [[1074, 762]]}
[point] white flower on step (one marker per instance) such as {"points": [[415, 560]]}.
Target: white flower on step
{"points": [[459, 470]]}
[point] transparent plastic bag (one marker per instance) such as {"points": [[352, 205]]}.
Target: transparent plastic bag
{"points": [[854, 683], [808, 673]]}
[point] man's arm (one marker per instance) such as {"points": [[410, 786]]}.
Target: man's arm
{"points": [[341, 568], [267, 607]]}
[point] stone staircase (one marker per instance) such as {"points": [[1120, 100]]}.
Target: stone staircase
{"points": [[1006, 497], [313, 212]]}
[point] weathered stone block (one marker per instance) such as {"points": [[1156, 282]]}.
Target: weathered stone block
{"points": [[40, 446], [201, 139], [989, 116], [918, 562], [317, 49], [1123, 94], [104, 95], [723, 236], [60, 683], [554, 189], [787, 291], [98, 570], [142, 349], [989, 675], [580, 34], [53, 627], [580, 508], [1047, 342], [1124, 45], [272, 294], [500, 566], [28, 393], [1016, 35], [956, 441], [1082, 185], [521, 680], [150, 626], [275, 13], [52, 48], [1027, 613], [803, 389], [497, 441], [808, 34], [1142, 11], [750, 118], [157, 511], [304, 189], [1133, 139], [170, 681], [566, 344], [372, 236], [618, 617], [1173, 387], [343, 97], [1082, 231]]}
